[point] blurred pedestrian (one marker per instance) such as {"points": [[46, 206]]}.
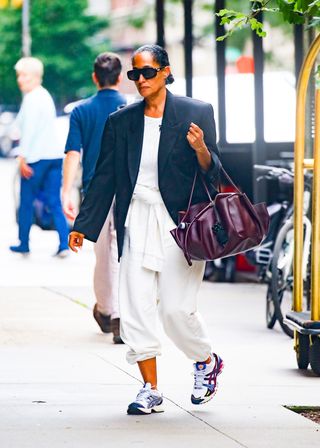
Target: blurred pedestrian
{"points": [[87, 122], [40, 155], [149, 155]]}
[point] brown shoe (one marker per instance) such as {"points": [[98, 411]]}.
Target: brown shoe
{"points": [[102, 320], [115, 325]]}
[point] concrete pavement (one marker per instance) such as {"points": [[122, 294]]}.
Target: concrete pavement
{"points": [[64, 384]]}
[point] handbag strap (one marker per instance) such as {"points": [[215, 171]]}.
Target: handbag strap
{"points": [[184, 247], [193, 187], [226, 175], [192, 190]]}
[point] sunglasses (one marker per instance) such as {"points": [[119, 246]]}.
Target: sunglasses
{"points": [[146, 72]]}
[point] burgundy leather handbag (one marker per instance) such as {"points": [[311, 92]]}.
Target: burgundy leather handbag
{"points": [[226, 225]]}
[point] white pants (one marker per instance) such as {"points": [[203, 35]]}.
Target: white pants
{"points": [[106, 272], [172, 292]]}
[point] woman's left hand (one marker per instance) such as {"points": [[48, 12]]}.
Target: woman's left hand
{"points": [[195, 138]]}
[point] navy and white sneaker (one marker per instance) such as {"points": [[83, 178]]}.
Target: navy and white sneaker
{"points": [[205, 379], [148, 400]]}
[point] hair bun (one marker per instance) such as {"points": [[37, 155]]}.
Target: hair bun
{"points": [[170, 79]]}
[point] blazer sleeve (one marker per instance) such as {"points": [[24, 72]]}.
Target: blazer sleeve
{"points": [[97, 202], [208, 126]]}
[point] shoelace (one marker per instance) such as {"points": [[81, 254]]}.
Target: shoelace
{"points": [[199, 378], [144, 394]]}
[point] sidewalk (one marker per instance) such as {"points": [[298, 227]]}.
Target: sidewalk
{"points": [[64, 384]]}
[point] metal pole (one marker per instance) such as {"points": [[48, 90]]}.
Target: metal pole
{"points": [[160, 22], [258, 95], [221, 70], [299, 165], [315, 247], [188, 44], [259, 146], [298, 49], [26, 38]]}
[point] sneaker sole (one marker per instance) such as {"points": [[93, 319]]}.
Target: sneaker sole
{"points": [[206, 399], [61, 256], [22, 254], [132, 410]]}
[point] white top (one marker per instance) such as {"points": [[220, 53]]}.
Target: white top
{"points": [[148, 222], [148, 172], [36, 122]]}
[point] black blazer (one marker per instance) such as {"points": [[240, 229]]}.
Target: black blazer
{"points": [[118, 164]]}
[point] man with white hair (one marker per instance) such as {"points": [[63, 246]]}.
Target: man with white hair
{"points": [[40, 157]]}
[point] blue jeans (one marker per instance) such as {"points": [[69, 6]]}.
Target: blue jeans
{"points": [[47, 178]]}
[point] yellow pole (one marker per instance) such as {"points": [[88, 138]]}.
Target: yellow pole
{"points": [[315, 246], [298, 172]]}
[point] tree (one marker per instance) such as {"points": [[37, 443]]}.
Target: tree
{"points": [[10, 26], [64, 37], [291, 11]]}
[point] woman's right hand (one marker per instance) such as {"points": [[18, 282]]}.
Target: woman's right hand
{"points": [[75, 241]]}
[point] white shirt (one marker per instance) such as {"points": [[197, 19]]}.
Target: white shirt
{"points": [[36, 122], [148, 222], [148, 172]]}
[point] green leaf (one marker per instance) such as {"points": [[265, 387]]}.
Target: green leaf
{"points": [[222, 12], [290, 15], [224, 20], [301, 5], [230, 13], [257, 27]]}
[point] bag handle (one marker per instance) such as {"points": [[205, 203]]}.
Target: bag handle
{"points": [[205, 185], [226, 175], [192, 190], [193, 187]]}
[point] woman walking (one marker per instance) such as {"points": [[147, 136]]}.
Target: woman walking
{"points": [[149, 154]]}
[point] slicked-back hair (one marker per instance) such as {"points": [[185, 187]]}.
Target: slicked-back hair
{"points": [[107, 68], [159, 55]]}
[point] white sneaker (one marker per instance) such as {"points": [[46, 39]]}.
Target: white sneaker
{"points": [[148, 400], [64, 253], [205, 379]]}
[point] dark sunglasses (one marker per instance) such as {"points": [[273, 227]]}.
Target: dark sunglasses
{"points": [[146, 72]]}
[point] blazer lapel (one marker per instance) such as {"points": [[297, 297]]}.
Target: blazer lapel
{"points": [[169, 132], [135, 140]]}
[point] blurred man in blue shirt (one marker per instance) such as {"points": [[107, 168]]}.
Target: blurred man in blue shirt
{"points": [[87, 123]]}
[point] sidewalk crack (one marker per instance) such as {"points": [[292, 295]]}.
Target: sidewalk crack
{"points": [[175, 404]]}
